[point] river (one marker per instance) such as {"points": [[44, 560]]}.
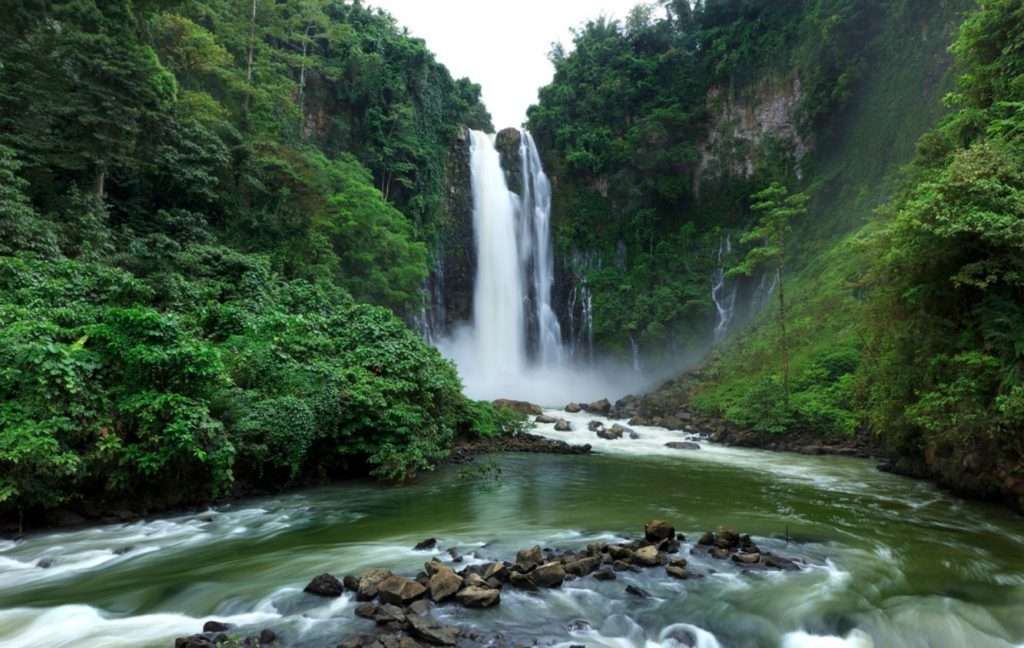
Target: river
{"points": [[891, 562]]}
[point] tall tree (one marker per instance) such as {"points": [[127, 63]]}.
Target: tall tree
{"points": [[776, 209]]}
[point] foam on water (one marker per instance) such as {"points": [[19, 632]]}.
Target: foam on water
{"points": [[81, 625]]}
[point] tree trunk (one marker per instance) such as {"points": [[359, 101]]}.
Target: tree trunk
{"points": [[302, 85], [785, 340], [249, 61], [101, 182]]}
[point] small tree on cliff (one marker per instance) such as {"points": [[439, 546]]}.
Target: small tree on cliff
{"points": [[776, 209]]}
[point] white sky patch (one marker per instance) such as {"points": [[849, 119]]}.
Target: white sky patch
{"points": [[501, 45]]}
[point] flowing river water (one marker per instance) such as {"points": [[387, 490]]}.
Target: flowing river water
{"points": [[891, 562]]}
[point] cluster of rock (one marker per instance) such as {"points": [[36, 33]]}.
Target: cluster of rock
{"points": [[216, 633], [401, 607], [465, 451], [618, 431]]}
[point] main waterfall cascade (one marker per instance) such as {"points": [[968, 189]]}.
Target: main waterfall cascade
{"points": [[514, 346]]}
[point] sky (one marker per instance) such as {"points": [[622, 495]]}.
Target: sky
{"points": [[501, 44]]}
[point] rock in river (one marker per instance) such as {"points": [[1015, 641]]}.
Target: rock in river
{"points": [[544, 418], [563, 426], [550, 574], [325, 585], [658, 530], [444, 583], [478, 597], [683, 445], [399, 590]]}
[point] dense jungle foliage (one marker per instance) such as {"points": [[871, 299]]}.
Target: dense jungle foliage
{"points": [[903, 294], [212, 216]]}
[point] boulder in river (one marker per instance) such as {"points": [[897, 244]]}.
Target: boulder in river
{"points": [[426, 545], [544, 418], [573, 408], [747, 558], [605, 574], [478, 597], [527, 559], [647, 556], [368, 582], [583, 566], [429, 630], [609, 435], [563, 426], [444, 583], [550, 574], [658, 530], [683, 445], [216, 626], [638, 592], [522, 407], [323, 585], [599, 407], [399, 590]]}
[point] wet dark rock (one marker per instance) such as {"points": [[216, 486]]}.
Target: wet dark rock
{"points": [[599, 407], [605, 574], [420, 607], [455, 555], [389, 614], [522, 407], [620, 552], [527, 559], [426, 545], [550, 574], [120, 551], [623, 430], [683, 445], [622, 565], [215, 626], [544, 418], [350, 582], [637, 591], [583, 566], [325, 585], [478, 597], [609, 434], [399, 590], [573, 408], [683, 637], [778, 562], [707, 539], [719, 553], [595, 426], [432, 632], [522, 581], [726, 537], [563, 426], [366, 610], [675, 571], [45, 563], [267, 637], [747, 558], [495, 570], [642, 421], [658, 530], [195, 641]]}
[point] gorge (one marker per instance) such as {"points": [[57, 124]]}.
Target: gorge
{"points": [[720, 347]]}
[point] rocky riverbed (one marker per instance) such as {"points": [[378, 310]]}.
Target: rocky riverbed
{"points": [[399, 610]]}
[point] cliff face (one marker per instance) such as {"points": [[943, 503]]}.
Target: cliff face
{"points": [[450, 284], [742, 125]]}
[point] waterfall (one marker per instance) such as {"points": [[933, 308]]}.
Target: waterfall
{"points": [[535, 249], [635, 348], [498, 320], [724, 305]]}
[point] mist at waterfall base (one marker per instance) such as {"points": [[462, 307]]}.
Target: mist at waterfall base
{"points": [[514, 347]]}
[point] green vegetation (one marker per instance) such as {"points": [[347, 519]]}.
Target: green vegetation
{"points": [[903, 297], [776, 210], [212, 216]]}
